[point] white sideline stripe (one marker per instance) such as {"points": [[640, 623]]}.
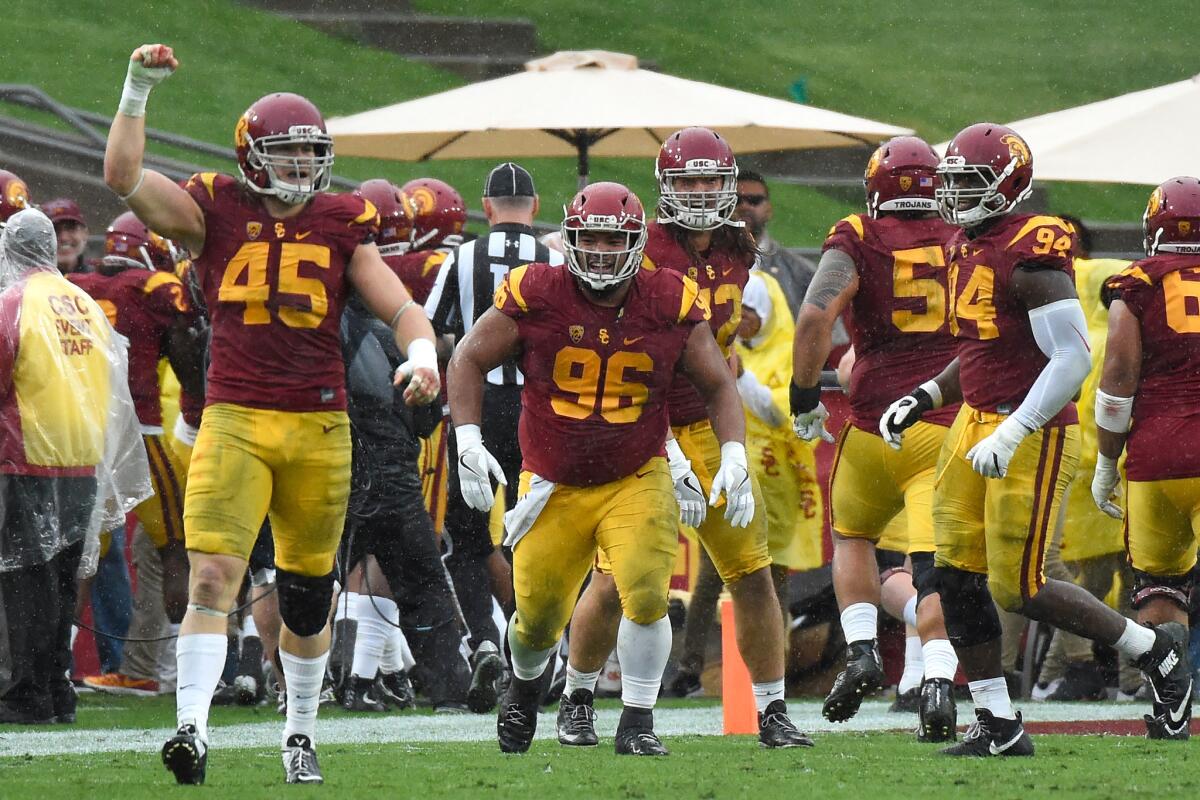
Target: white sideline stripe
{"points": [[422, 729]]}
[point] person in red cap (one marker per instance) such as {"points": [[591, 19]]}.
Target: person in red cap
{"points": [[72, 231]]}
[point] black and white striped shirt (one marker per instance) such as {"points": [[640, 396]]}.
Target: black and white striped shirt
{"points": [[470, 276]]}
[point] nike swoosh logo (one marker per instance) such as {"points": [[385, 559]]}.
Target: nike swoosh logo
{"points": [[328, 428], [304, 235], [997, 750], [725, 272], [1177, 714], [643, 474], [634, 340]]}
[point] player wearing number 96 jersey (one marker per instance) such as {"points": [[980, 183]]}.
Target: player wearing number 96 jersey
{"points": [[275, 256], [600, 343], [1014, 446], [886, 269]]}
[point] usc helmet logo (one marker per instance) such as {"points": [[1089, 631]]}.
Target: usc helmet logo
{"points": [[1185, 227], [241, 133], [423, 201], [1155, 203], [905, 183], [17, 194], [873, 164], [1016, 148]]}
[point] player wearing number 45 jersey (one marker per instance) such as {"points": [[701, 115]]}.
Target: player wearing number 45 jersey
{"points": [[600, 343], [1152, 374], [276, 256], [888, 268], [1013, 448]]}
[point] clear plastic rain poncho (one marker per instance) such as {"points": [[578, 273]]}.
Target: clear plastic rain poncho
{"points": [[72, 461]]}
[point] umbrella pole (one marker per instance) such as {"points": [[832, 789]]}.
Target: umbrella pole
{"points": [[583, 143]]}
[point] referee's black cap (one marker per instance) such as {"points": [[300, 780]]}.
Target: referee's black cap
{"points": [[509, 180]]}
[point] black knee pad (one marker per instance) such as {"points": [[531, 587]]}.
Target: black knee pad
{"points": [[924, 575], [303, 601], [888, 562], [967, 607], [1176, 588]]}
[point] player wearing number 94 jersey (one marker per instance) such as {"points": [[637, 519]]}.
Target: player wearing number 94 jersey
{"points": [[600, 343], [1023, 353], [887, 268], [276, 256]]}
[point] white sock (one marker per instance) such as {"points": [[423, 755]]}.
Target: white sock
{"points": [[527, 664], [374, 631], [992, 694], [860, 622], [347, 607], [1136, 641], [914, 665], [304, 677], [940, 659], [248, 626], [201, 659], [910, 612], [580, 680], [767, 693], [396, 654], [643, 651]]}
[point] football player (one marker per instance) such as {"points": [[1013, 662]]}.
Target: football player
{"points": [[276, 256], [600, 343], [888, 269], [136, 285], [1014, 445], [1151, 373], [696, 235]]}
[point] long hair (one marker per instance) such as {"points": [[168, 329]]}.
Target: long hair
{"points": [[736, 240]]}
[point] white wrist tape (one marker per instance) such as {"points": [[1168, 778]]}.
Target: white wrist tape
{"points": [[136, 91], [423, 353], [934, 391], [1113, 413], [734, 453], [184, 432]]}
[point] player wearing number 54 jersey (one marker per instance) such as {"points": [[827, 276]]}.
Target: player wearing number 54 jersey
{"points": [[599, 343], [888, 268], [1013, 448], [276, 257], [1152, 374]]}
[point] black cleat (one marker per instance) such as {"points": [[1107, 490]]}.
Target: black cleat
{"points": [[907, 702], [517, 720], [300, 761], [776, 729], [486, 668], [576, 725], [990, 735], [938, 713], [1167, 668], [185, 755], [1083, 681], [639, 743], [685, 684], [862, 676], [395, 689], [225, 694], [359, 695]]}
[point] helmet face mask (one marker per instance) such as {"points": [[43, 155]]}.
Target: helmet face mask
{"points": [[603, 236], [697, 180], [283, 149]]}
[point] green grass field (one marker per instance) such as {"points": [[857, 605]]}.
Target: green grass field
{"points": [[842, 765], [955, 64]]}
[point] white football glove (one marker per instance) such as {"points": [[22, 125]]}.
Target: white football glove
{"points": [[907, 411], [758, 399], [810, 425], [733, 480], [475, 468], [421, 373], [990, 457], [150, 65], [1106, 486], [692, 508]]}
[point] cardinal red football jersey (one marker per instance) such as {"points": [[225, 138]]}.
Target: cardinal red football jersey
{"points": [[275, 289], [898, 322], [1163, 292], [998, 356], [142, 306], [721, 277], [596, 378]]}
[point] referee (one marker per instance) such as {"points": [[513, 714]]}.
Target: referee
{"points": [[464, 290]]}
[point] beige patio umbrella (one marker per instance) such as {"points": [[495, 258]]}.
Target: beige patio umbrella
{"points": [[1142, 137], [582, 103]]}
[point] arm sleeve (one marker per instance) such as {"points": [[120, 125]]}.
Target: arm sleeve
{"points": [[1061, 332]]}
